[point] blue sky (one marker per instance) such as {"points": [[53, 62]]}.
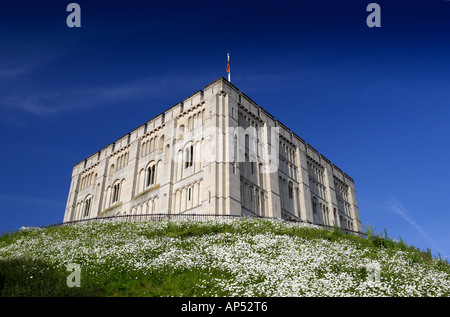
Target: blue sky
{"points": [[374, 101]]}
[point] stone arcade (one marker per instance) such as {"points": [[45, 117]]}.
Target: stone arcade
{"points": [[217, 152]]}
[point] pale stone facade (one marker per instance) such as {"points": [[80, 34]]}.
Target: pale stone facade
{"points": [[215, 153]]}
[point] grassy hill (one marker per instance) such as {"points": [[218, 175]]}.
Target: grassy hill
{"points": [[234, 257]]}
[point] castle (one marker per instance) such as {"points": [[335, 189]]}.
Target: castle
{"points": [[217, 152]]}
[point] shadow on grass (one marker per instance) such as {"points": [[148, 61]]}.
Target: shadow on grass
{"points": [[35, 278]]}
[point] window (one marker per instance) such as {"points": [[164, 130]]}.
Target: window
{"points": [[87, 207], [189, 156], [291, 191], [116, 193], [189, 194], [151, 174]]}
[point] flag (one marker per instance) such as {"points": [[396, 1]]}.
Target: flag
{"points": [[228, 67]]}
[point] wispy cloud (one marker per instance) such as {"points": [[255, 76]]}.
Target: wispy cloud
{"points": [[28, 200], [44, 103], [395, 205], [9, 73]]}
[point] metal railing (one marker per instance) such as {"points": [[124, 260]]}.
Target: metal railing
{"points": [[184, 216]]}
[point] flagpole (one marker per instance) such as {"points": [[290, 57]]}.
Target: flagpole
{"points": [[228, 68]]}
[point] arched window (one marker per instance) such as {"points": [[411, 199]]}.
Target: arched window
{"points": [[87, 206], [189, 156], [314, 204], [151, 174], [116, 193]]}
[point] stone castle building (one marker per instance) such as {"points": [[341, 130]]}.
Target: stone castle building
{"points": [[217, 152]]}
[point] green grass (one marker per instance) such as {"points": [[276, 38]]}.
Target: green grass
{"points": [[39, 270]]}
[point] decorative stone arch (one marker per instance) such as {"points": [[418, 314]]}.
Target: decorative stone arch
{"points": [[161, 144], [111, 170], [181, 130], [176, 202], [179, 165], [155, 204], [149, 206], [152, 145], [195, 120], [140, 181], [183, 204], [107, 201], [159, 167], [167, 154], [197, 155]]}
